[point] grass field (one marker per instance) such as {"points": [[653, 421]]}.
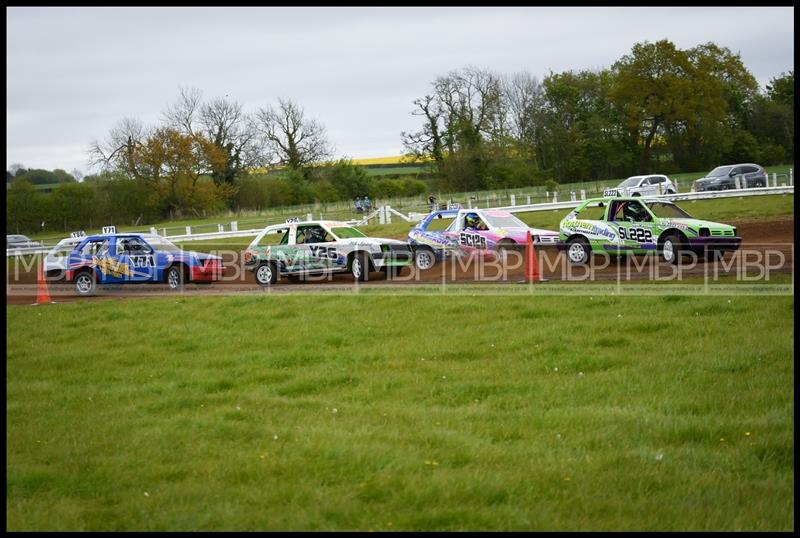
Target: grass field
{"points": [[276, 412]]}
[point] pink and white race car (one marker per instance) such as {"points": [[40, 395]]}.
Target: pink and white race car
{"points": [[487, 231]]}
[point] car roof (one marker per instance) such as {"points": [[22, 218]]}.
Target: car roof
{"points": [[639, 198], [122, 234], [326, 223]]}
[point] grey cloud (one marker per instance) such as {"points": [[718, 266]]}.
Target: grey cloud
{"points": [[73, 72]]}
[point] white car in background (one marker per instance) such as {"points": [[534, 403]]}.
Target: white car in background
{"points": [[647, 185], [55, 262]]}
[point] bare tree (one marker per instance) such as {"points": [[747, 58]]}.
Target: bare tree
{"points": [[119, 151], [465, 110], [295, 142], [226, 125], [524, 102]]}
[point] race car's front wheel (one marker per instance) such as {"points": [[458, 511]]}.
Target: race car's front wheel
{"points": [[578, 250], [671, 249], [359, 267], [424, 259], [266, 275], [85, 284]]}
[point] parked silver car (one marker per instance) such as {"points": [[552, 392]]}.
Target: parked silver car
{"points": [[646, 185], [21, 241], [724, 177]]}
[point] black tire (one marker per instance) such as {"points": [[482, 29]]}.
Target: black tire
{"points": [[359, 267], [578, 251], [636, 194], [670, 191], [266, 274], [85, 284], [671, 249], [424, 258], [175, 277]]}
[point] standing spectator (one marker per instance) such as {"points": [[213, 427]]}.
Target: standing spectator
{"points": [[431, 202], [367, 204], [359, 209]]}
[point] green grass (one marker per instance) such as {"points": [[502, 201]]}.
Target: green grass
{"points": [[277, 412]]}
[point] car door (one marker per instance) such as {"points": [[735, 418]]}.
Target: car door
{"points": [[135, 259], [473, 232], [316, 248], [736, 172], [635, 226], [752, 176], [94, 253]]}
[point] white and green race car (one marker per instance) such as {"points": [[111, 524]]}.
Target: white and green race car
{"points": [[294, 249], [634, 225]]}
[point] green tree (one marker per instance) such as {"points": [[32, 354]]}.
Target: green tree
{"points": [[73, 206], [23, 207]]}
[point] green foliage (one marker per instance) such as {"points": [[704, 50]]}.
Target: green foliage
{"points": [[44, 177], [73, 205], [25, 208], [348, 179]]}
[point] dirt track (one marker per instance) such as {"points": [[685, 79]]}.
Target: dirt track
{"points": [[763, 241]]}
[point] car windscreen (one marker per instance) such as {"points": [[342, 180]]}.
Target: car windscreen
{"points": [[667, 210], [631, 182], [159, 243], [508, 220], [347, 232], [720, 171]]}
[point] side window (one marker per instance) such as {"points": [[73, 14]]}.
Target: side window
{"points": [[275, 237], [313, 234], [95, 248], [656, 179], [749, 169], [634, 211], [596, 212], [738, 170], [136, 245]]}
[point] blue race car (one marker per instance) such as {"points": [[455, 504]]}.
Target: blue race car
{"points": [[127, 258]]}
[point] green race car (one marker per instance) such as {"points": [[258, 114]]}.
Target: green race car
{"points": [[634, 225]]}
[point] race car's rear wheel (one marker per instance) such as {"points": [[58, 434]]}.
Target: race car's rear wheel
{"points": [[424, 259], [578, 250], [503, 248], [176, 277], [359, 267], [85, 284], [266, 275]]}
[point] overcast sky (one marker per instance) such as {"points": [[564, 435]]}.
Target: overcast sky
{"points": [[73, 72]]}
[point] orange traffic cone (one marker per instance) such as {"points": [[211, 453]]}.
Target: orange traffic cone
{"points": [[531, 263], [43, 296]]}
